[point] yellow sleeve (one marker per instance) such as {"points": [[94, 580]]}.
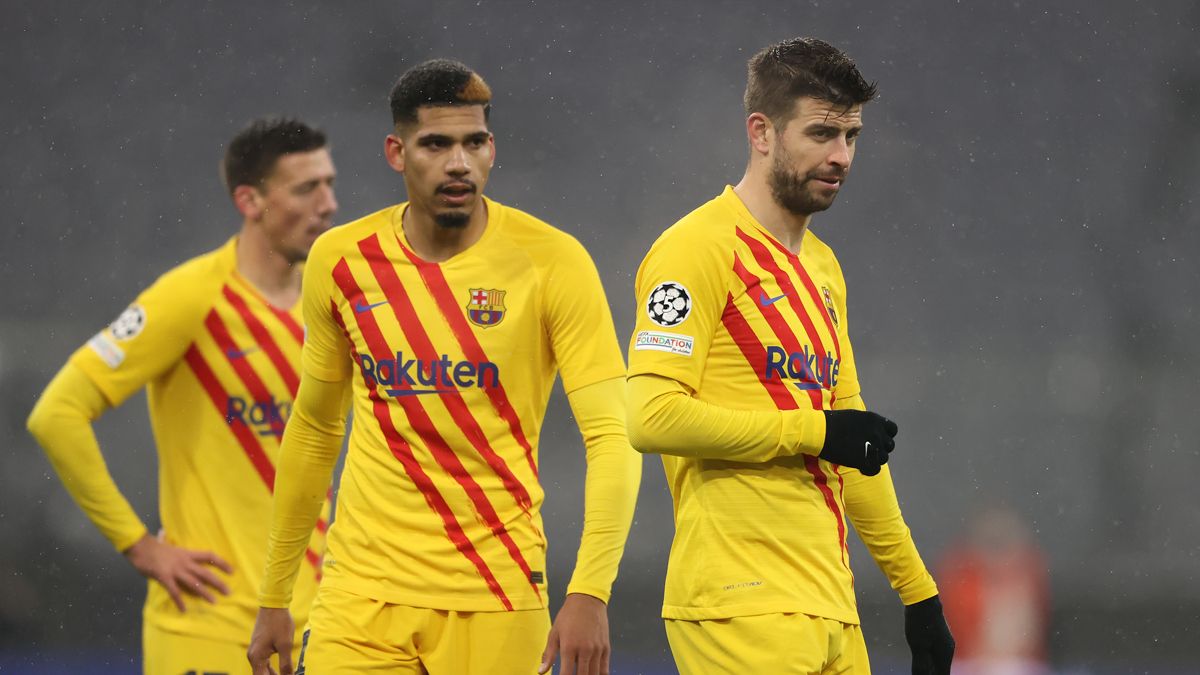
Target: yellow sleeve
{"points": [[614, 472], [312, 439], [307, 455], [326, 354], [61, 422], [664, 418], [150, 336], [578, 320], [874, 511], [847, 382], [681, 289]]}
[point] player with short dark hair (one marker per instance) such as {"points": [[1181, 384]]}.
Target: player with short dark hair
{"points": [[216, 343], [741, 375], [447, 318]]}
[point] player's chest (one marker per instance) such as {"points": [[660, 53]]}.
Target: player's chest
{"points": [[446, 319], [782, 320]]}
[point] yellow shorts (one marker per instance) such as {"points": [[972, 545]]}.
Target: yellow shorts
{"points": [[783, 644], [167, 653], [348, 634]]}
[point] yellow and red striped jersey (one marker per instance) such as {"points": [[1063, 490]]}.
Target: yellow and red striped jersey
{"points": [[729, 312], [221, 368], [452, 366]]}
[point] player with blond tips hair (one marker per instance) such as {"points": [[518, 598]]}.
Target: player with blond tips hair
{"points": [[447, 318]]}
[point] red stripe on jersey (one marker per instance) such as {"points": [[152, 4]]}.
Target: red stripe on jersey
{"points": [[762, 256], [814, 467], [756, 355], [403, 453], [778, 324], [288, 322], [750, 346], [445, 457], [245, 436], [263, 336], [418, 339], [439, 288], [812, 292], [250, 379]]}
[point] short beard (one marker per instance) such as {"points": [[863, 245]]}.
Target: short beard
{"points": [[452, 220], [790, 189]]}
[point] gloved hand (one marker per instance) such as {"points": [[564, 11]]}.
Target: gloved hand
{"points": [[928, 637], [858, 439]]}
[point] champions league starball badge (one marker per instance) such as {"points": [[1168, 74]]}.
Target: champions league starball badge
{"points": [[669, 304]]}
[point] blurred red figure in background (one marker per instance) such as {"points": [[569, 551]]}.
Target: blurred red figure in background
{"points": [[995, 589]]}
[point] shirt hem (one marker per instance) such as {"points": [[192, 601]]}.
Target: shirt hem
{"points": [[685, 613], [480, 603]]}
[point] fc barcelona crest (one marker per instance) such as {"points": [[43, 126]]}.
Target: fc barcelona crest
{"points": [[829, 304], [485, 308]]}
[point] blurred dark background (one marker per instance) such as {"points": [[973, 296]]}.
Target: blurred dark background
{"points": [[1019, 236]]}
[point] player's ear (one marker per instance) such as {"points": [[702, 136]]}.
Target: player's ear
{"points": [[492, 147], [393, 150], [248, 201], [759, 132]]}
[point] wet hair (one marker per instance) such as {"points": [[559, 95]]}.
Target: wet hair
{"points": [[251, 155], [439, 82], [786, 71]]}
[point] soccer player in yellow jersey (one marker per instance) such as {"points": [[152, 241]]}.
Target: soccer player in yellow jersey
{"points": [[448, 317], [216, 342], [741, 375]]}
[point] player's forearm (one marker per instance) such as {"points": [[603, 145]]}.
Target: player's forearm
{"points": [[664, 418], [310, 448], [614, 472], [61, 422], [873, 509]]}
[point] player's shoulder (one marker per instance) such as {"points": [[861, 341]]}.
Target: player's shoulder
{"points": [[707, 231], [200, 277], [341, 240], [820, 254], [542, 242]]}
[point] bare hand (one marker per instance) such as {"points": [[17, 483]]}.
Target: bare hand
{"points": [[273, 631], [580, 636], [179, 570]]}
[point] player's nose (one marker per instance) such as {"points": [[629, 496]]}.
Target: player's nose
{"points": [[327, 205]]}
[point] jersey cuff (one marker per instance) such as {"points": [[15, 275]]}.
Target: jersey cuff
{"points": [[803, 430]]}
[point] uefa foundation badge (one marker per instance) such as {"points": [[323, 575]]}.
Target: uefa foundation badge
{"points": [[485, 308]]}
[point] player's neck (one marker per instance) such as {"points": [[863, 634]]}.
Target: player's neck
{"points": [[267, 270], [433, 242], [785, 226]]}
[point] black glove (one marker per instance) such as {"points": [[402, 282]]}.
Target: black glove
{"points": [[928, 637], [858, 439]]}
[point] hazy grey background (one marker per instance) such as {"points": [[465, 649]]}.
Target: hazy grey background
{"points": [[1019, 236]]}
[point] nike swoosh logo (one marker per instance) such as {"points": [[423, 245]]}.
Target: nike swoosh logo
{"points": [[767, 302], [360, 307], [235, 354]]}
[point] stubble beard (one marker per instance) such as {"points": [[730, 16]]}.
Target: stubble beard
{"points": [[790, 189], [452, 220]]}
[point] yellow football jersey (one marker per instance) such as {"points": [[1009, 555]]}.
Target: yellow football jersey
{"points": [[221, 368], [452, 366], [729, 312]]}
